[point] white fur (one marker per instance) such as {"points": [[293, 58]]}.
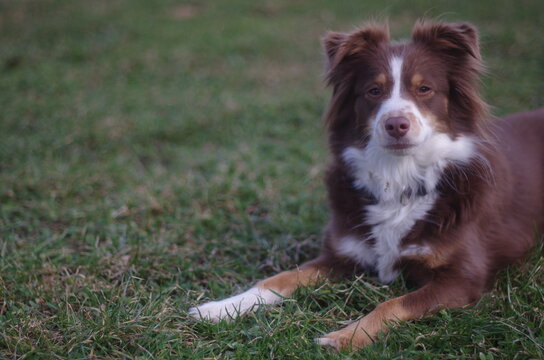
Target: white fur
{"points": [[325, 341], [235, 306], [396, 71], [415, 250], [388, 175], [357, 249], [391, 224]]}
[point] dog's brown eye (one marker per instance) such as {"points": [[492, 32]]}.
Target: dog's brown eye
{"points": [[423, 90], [375, 92]]}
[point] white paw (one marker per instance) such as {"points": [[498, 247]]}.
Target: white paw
{"points": [[325, 341], [232, 307], [213, 311]]}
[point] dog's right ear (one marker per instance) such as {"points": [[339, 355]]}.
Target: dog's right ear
{"points": [[332, 43], [338, 46]]}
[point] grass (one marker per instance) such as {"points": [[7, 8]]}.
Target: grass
{"points": [[154, 155]]}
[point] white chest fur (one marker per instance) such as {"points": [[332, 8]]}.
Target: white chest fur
{"points": [[394, 181], [391, 221]]}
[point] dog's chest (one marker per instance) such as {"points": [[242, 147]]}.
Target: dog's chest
{"points": [[405, 192], [390, 221]]}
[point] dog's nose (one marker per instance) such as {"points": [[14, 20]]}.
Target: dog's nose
{"points": [[397, 126]]}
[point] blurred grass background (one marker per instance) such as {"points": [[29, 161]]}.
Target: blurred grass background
{"points": [[156, 154]]}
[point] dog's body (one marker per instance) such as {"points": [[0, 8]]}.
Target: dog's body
{"points": [[421, 181]]}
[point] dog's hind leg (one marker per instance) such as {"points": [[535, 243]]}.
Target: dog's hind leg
{"points": [[266, 292]]}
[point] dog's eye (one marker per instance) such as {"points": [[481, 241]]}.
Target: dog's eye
{"points": [[375, 92], [423, 90]]}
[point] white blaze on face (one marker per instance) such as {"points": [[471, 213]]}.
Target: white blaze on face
{"points": [[396, 72], [397, 105]]}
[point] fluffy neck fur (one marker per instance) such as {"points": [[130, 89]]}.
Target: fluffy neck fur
{"points": [[388, 176]]}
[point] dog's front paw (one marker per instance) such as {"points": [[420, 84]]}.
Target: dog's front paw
{"points": [[348, 338], [231, 308], [213, 311], [328, 341]]}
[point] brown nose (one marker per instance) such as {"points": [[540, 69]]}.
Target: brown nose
{"points": [[397, 126]]}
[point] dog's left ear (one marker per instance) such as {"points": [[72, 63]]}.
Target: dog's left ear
{"points": [[332, 44], [456, 39]]}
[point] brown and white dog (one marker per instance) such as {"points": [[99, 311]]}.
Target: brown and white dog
{"points": [[421, 181]]}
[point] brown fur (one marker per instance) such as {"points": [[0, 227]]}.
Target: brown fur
{"points": [[487, 209], [285, 283]]}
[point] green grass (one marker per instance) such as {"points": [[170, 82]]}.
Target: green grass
{"points": [[157, 154]]}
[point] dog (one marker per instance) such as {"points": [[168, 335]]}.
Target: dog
{"points": [[422, 179]]}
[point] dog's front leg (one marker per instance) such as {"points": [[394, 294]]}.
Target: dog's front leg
{"points": [[437, 294], [266, 292]]}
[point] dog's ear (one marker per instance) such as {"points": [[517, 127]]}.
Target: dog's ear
{"points": [[456, 39], [332, 43], [338, 46], [458, 45]]}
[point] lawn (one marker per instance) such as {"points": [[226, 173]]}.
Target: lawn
{"points": [[158, 154]]}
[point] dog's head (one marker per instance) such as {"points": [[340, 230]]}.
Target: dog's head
{"points": [[396, 97]]}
